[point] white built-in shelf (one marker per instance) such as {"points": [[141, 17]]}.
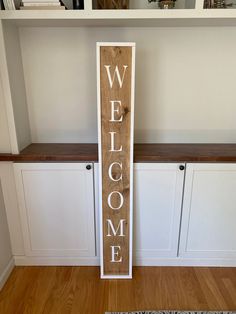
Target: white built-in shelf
{"points": [[48, 72], [127, 18]]}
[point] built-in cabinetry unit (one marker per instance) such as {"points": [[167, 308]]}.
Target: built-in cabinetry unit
{"points": [[183, 214], [184, 199]]}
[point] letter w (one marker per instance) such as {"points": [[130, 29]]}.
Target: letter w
{"points": [[110, 228], [115, 74]]}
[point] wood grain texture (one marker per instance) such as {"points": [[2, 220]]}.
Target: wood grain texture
{"points": [[112, 4], [142, 153], [78, 290], [54, 152], [116, 57], [185, 152]]}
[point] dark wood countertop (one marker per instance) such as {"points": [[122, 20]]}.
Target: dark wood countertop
{"points": [[55, 152], [142, 153], [185, 152]]}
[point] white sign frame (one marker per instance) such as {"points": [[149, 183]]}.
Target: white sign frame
{"points": [[133, 46]]}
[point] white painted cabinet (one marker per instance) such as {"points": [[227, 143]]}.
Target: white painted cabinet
{"points": [[59, 227], [209, 212], [57, 209], [157, 210]]}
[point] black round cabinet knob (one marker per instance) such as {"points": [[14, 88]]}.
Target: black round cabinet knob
{"points": [[88, 167], [181, 167]]}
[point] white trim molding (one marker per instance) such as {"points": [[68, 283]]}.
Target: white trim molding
{"points": [[6, 273], [138, 261], [55, 261], [185, 262]]}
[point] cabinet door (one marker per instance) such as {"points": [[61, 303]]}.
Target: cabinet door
{"points": [[57, 209], [157, 209], [209, 211]]}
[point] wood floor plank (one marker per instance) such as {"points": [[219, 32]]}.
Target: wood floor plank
{"points": [[191, 294], [211, 290], [225, 285], [79, 290], [231, 290]]}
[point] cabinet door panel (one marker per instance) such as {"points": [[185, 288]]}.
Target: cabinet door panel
{"points": [[157, 209], [209, 211], [57, 209]]}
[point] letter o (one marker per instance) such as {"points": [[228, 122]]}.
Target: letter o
{"points": [[121, 200]]}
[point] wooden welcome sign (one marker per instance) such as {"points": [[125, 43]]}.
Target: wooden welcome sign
{"points": [[115, 75]]}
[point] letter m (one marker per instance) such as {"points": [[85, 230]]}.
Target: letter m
{"points": [[119, 229]]}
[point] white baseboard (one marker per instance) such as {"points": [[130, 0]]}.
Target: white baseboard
{"points": [[180, 261], [55, 261], [94, 261], [6, 273]]}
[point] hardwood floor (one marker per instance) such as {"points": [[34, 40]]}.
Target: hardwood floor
{"points": [[78, 290]]}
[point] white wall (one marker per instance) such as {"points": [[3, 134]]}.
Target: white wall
{"points": [[4, 131], [5, 247], [185, 83]]}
